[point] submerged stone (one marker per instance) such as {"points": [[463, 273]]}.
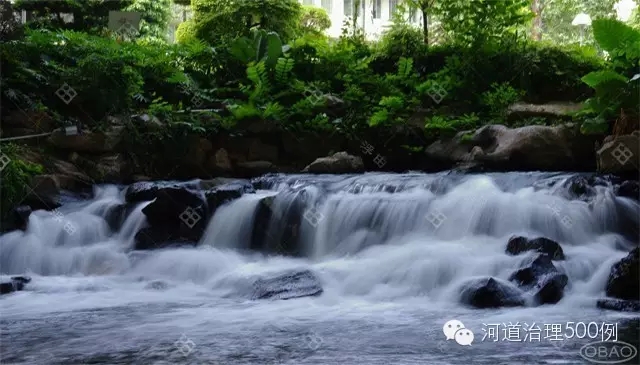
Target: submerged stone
{"points": [[491, 293], [295, 284]]}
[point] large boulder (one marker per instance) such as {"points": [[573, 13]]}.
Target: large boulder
{"points": [[491, 293], [91, 142], [181, 211], [146, 190], [619, 305], [223, 194], [338, 163], [541, 280], [629, 189], [295, 284], [519, 111], [154, 238], [624, 278], [519, 244], [14, 283], [549, 148], [619, 155]]}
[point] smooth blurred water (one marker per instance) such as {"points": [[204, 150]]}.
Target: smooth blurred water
{"points": [[391, 277]]}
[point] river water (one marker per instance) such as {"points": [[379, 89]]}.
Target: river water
{"points": [[391, 252]]}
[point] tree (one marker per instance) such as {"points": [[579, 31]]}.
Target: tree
{"points": [[156, 15], [314, 20], [88, 15], [556, 17], [476, 21], [426, 7]]}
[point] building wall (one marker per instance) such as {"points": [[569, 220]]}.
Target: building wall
{"points": [[373, 26]]}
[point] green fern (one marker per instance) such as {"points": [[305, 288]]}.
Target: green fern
{"points": [[405, 67], [283, 69]]}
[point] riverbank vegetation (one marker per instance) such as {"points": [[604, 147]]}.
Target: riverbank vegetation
{"points": [[268, 62]]}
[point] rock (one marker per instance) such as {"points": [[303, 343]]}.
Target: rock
{"points": [[519, 111], [117, 215], [45, 193], [91, 142], [541, 279], [109, 169], [149, 122], [295, 284], [221, 195], [198, 152], [259, 151], [181, 211], [519, 244], [146, 191], [491, 293], [15, 283], [619, 305], [338, 163], [624, 278], [629, 189], [255, 168], [556, 148], [220, 161], [151, 238], [619, 155], [34, 122], [21, 216]]}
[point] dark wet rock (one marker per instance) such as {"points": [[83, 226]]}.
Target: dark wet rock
{"points": [[541, 279], [629, 189], [154, 238], [21, 216], [519, 244], [180, 211], [491, 293], [146, 190], [223, 194], [619, 305], [14, 283], [338, 163], [157, 285], [535, 147], [251, 169], [117, 214], [624, 278], [580, 187], [295, 284], [619, 154]]}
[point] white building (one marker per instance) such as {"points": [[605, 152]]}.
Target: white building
{"points": [[373, 18]]}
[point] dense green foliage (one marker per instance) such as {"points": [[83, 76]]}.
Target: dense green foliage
{"points": [[618, 86], [221, 20], [16, 177], [267, 61]]}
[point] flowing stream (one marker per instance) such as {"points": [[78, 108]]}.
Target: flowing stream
{"points": [[391, 251]]}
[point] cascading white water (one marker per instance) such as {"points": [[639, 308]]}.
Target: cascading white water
{"points": [[377, 241], [72, 239]]}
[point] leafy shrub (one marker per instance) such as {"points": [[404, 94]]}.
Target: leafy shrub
{"points": [[616, 87], [314, 20], [218, 20], [498, 99], [402, 40], [186, 32], [16, 178]]}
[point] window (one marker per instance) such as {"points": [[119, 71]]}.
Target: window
{"points": [[348, 7], [307, 2], [377, 9], [328, 6], [393, 6]]}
